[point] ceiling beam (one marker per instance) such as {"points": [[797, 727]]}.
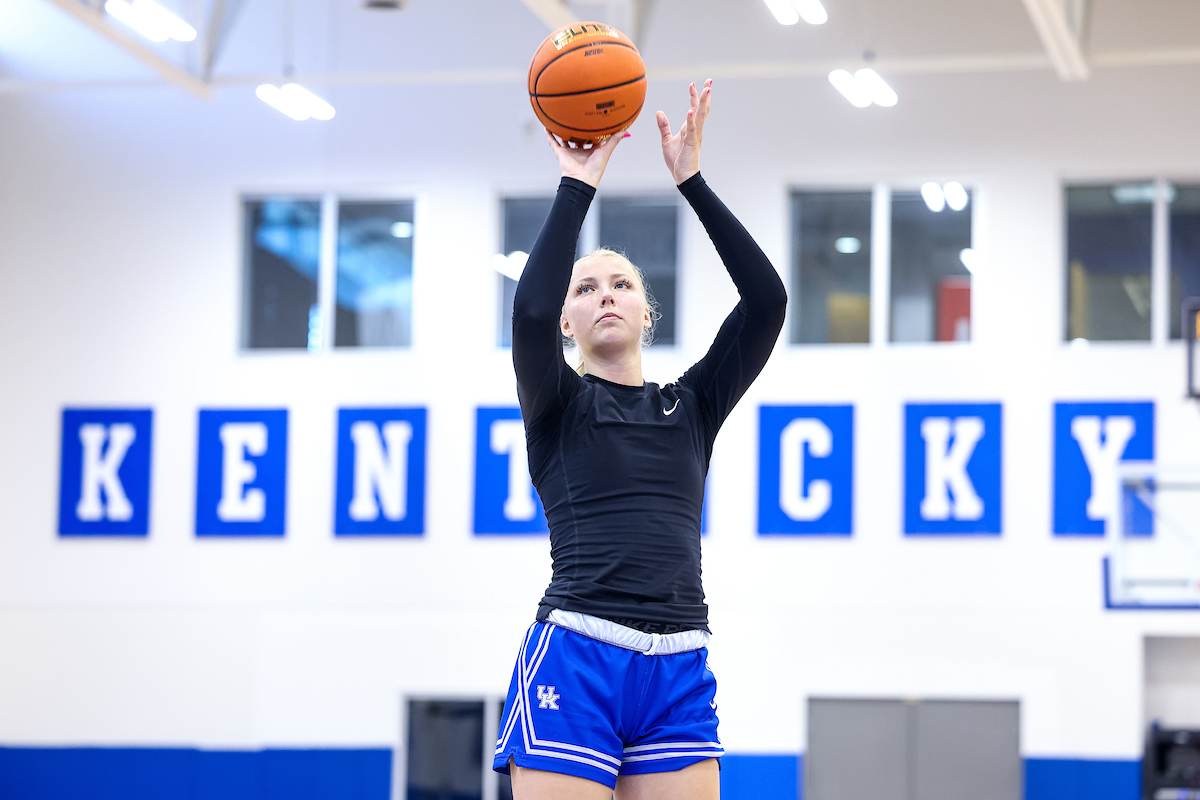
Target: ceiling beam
{"points": [[1061, 24], [1002, 63], [95, 18], [221, 15], [555, 13]]}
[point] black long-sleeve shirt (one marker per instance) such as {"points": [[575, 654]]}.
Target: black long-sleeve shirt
{"points": [[620, 469]]}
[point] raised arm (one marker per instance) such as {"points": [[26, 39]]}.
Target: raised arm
{"points": [[542, 375], [746, 338]]}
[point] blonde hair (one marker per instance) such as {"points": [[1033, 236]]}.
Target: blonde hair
{"points": [[651, 303]]}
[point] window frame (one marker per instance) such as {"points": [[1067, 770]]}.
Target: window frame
{"points": [[1160, 255], [881, 254], [589, 236], [492, 716], [328, 201]]}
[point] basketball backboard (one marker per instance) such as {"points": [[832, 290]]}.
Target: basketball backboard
{"points": [[1153, 531]]}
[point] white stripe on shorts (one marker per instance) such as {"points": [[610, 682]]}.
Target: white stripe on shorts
{"points": [[640, 747], [533, 745]]}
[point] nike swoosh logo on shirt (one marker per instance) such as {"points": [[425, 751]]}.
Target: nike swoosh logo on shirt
{"points": [[672, 411]]}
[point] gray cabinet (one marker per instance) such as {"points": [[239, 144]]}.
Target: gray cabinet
{"points": [[913, 749]]}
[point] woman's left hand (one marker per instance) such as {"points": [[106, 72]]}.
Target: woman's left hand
{"points": [[682, 150]]}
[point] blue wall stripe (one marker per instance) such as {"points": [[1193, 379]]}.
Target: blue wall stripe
{"points": [[761, 777], [780, 777], [1077, 779], [35, 773], [28, 773]]}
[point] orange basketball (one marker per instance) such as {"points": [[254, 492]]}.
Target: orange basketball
{"points": [[587, 81]]}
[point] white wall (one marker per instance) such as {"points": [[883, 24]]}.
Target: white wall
{"points": [[120, 279]]}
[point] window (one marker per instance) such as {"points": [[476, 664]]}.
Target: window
{"points": [[374, 275], [831, 267], [282, 262], [1109, 242], [1185, 252], [523, 218], [1133, 256], [448, 752], [643, 228], [882, 265], [320, 273], [931, 286]]}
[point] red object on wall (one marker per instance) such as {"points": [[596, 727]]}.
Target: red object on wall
{"points": [[954, 310]]}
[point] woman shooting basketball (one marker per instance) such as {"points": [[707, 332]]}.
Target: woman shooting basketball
{"points": [[611, 689]]}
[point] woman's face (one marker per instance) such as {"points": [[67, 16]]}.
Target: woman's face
{"points": [[605, 310]]}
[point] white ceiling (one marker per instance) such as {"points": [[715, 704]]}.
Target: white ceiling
{"points": [[43, 47]]}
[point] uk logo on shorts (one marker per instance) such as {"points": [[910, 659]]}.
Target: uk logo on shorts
{"points": [[547, 698]]}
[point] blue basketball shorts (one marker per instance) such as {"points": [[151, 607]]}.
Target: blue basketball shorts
{"points": [[585, 707]]}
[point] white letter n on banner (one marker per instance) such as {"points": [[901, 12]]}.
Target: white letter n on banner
{"points": [[381, 473]]}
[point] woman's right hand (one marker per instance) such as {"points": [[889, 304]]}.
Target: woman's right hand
{"points": [[584, 165]]}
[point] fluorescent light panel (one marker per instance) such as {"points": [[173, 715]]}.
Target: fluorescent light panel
{"points": [[938, 197], [863, 88], [151, 20], [811, 11], [511, 265], [933, 196], [784, 11], [847, 245], [295, 101], [845, 83], [789, 12], [876, 87], [956, 196]]}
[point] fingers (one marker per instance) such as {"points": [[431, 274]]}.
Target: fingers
{"points": [[664, 126], [610, 144]]}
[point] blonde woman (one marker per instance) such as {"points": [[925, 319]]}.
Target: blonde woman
{"points": [[611, 691]]}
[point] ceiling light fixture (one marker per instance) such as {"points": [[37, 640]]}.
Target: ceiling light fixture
{"points": [[511, 265], [970, 259], [881, 94], [151, 20], [784, 11], [863, 88], [811, 11], [848, 245], [845, 83], [956, 196], [789, 12], [933, 196], [295, 101]]}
